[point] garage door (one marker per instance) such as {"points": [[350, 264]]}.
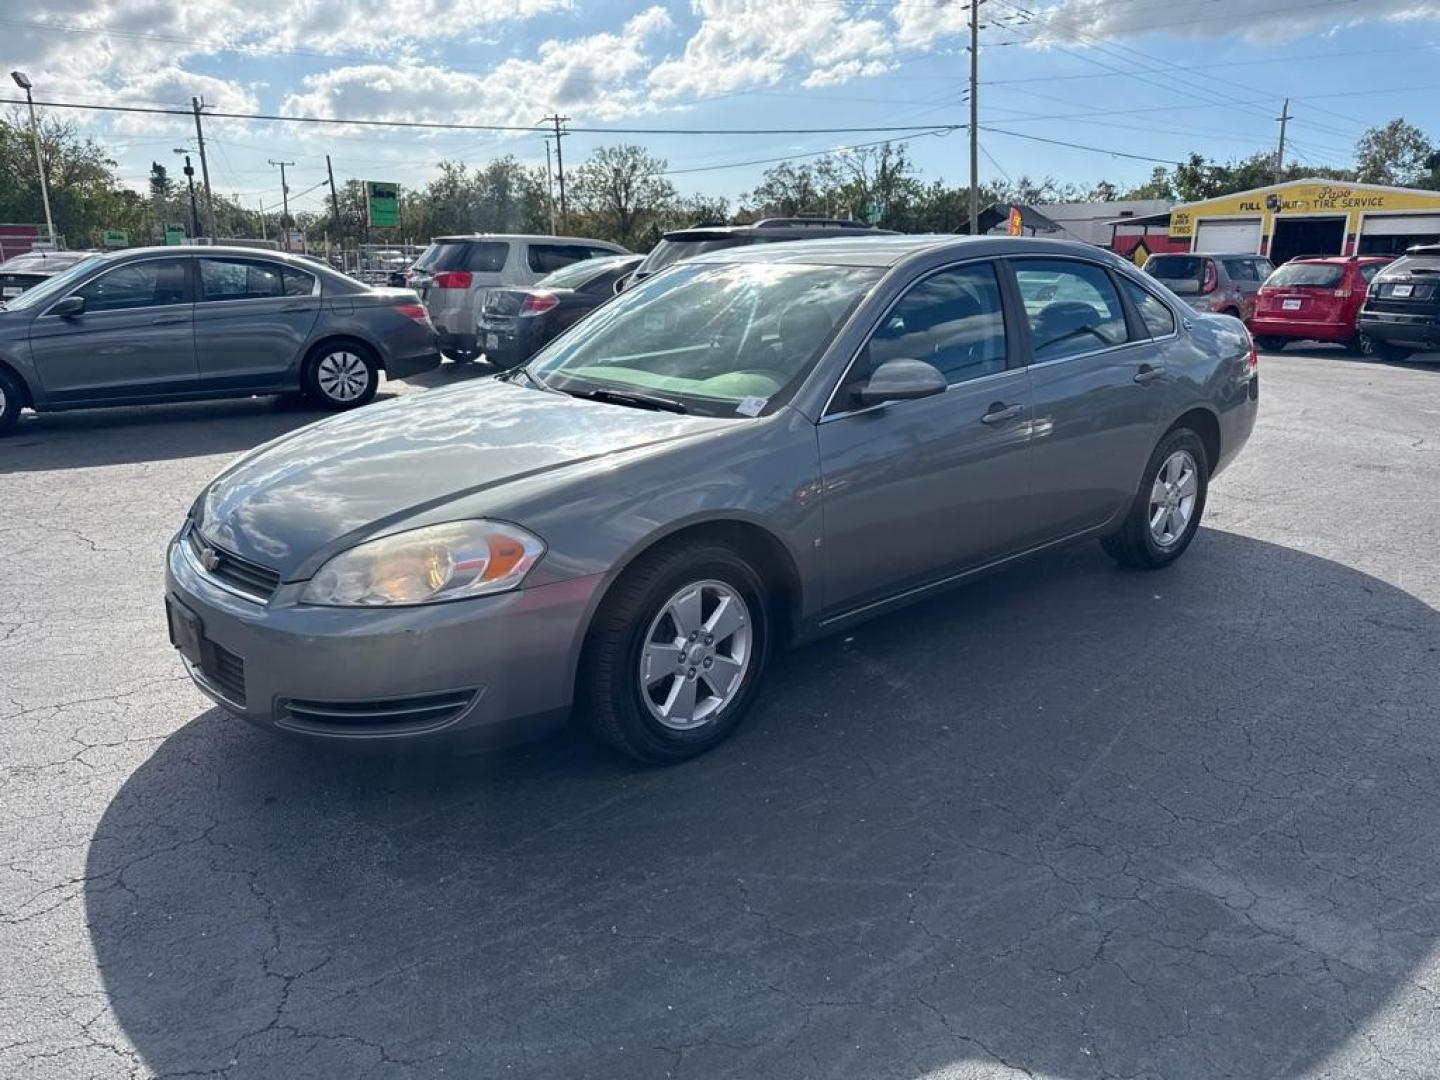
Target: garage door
{"points": [[1402, 225], [1222, 237]]}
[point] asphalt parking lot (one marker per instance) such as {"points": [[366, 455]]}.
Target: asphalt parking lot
{"points": [[1069, 822]]}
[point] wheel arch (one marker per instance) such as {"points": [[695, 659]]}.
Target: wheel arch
{"points": [[1205, 424], [355, 341], [761, 546], [27, 396]]}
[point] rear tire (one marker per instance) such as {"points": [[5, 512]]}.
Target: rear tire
{"points": [[650, 683], [12, 400], [1271, 344], [1167, 509], [341, 375]]}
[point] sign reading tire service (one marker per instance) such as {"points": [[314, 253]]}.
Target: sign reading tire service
{"points": [[382, 204]]}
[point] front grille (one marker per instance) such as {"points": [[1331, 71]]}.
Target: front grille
{"points": [[253, 580], [225, 670], [393, 714]]}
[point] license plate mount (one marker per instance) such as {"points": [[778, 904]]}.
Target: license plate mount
{"points": [[1290, 305], [492, 341], [1402, 290], [187, 633]]}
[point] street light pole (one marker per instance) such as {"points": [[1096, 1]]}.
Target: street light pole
{"points": [[194, 206], [23, 81]]}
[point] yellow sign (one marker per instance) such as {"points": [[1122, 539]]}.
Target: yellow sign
{"points": [[1017, 223], [1140, 254], [1302, 197]]}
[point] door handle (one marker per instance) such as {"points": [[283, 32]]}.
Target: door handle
{"points": [[1000, 412], [298, 307], [1148, 373], [168, 320]]}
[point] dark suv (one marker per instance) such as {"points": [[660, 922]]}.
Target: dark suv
{"points": [[687, 243], [1402, 309]]}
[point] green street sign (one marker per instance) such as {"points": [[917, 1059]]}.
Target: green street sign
{"points": [[382, 204], [174, 234], [116, 238]]}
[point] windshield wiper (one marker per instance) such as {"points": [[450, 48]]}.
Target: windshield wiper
{"points": [[530, 377], [626, 397]]}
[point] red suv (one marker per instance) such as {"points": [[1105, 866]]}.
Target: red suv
{"points": [[1316, 299]]}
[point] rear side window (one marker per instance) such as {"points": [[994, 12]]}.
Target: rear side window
{"points": [[1307, 276], [1240, 269], [1159, 322], [1072, 307], [952, 320], [546, 258], [248, 279]]}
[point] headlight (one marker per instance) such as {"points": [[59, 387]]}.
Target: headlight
{"points": [[423, 566]]}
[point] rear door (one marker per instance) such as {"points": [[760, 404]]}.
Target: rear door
{"points": [[253, 318], [1246, 275], [1099, 383], [135, 339]]}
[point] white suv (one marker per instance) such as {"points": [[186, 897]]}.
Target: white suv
{"points": [[455, 273]]}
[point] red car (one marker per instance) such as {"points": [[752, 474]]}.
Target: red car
{"points": [[1315, 299]]}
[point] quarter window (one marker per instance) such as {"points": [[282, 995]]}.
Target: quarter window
{"points": [[952, 320], [1159, 322], [151, 283], [545, 258], [1072, 307]]}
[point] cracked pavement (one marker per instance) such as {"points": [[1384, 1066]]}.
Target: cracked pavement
{"points": [[1069, 822]]}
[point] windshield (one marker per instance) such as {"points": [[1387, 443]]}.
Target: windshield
{"points": [[1306, 276], [667, 252], [52, 286], [717, 339]]}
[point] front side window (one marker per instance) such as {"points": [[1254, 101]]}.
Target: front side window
{"points": [[953, 321], [718, 339], [1072, 307], [152, 283], [1158, 320]]}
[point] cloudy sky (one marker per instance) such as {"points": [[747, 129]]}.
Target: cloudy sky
{"points": [[1155, 78]]}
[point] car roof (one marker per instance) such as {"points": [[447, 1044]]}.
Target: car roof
{"points": [[1342, 258], [887, 250], [778, 227], [543, 237]]}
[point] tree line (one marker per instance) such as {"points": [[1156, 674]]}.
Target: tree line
{"points": [[623, 193]]}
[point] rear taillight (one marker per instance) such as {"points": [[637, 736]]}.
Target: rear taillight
{"points": [[416, 312], [1252, 362], [538, 303], [453, 279], [1212, 278]]}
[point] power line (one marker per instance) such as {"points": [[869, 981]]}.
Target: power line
{"points": [[1081, 146], [156, 110], [797, 157]]}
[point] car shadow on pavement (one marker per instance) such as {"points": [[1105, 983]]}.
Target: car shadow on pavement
{"points": [[1070, 820]]}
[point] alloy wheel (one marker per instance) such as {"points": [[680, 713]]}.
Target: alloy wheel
{"points": [[342, 376], [1172, 498], [695, 654]]}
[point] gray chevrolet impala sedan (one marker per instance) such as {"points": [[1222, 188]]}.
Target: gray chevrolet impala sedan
{"points": [[750, 449]]}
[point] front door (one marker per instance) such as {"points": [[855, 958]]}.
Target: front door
{"points": [[918, 490], [1099, 382], [135, 338], [253, 317]]}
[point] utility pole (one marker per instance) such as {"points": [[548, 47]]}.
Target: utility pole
{"points": [[1284, 118], [197, 105], [557, 120], [334, 199], [974, 117], [549, 185], [285, 203]]}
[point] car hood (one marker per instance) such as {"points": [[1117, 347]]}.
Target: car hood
{"points": [[300, 498]]}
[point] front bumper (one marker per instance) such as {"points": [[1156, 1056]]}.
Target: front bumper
{"points": [[494, 667]]}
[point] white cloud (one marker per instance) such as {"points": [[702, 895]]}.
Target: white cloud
{"points": [[596, 75], [1255, 20]]}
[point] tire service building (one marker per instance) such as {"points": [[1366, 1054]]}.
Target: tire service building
{"points": [[1310, 217]]}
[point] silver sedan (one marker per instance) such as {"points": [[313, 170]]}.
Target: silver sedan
{"points": [[749, 450]]}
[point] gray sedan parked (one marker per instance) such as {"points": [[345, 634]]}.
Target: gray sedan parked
{"points": [[752, 448], [174, 324]]}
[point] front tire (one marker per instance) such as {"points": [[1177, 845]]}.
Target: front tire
{"points": [[12, 400], [1167, 509], [341, 375], [676, 654]]}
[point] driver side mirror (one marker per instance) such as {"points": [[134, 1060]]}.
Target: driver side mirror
{"points": [[69, 307], [901, 379]]}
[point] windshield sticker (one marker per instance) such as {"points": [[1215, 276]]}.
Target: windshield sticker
{"points": [[751, 406]]}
